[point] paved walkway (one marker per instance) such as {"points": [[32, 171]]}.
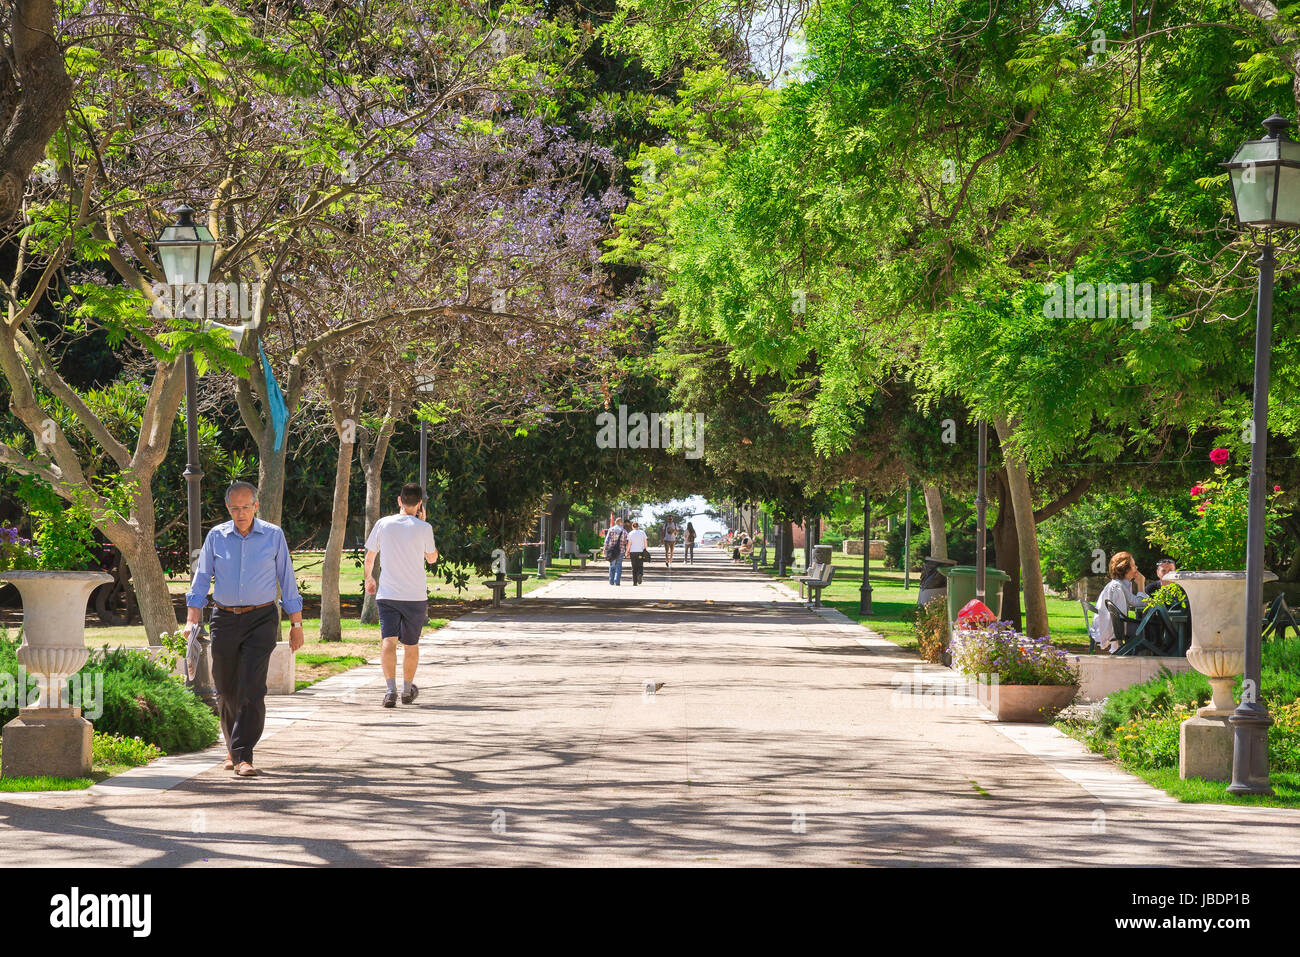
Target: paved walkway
{"points": [[779, 736]]}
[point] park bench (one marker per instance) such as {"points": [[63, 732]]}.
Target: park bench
{"points": [[815, 581], [498, 586]]}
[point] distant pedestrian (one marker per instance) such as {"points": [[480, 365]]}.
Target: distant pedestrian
{"points": [[689, 549], [403, 543], [670, 541], [615, 549], [245, 561], [637, 548]]}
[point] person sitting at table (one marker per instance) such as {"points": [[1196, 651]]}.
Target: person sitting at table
{"points": [[1163, 568], [1120, 590]]}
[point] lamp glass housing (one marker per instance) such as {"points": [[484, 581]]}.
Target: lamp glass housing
{"points": [[186, 249]]}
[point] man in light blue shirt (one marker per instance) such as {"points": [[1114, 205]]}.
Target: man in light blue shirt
{"points": [[250, 562]]}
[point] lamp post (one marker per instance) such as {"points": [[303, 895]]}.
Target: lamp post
{"points": [[907, 538], [186, 249], [1265, 177], [762, 552], [864, 593], [424, 384], [981, 510]]}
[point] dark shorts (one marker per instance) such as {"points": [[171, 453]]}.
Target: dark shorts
{"points": [[403, 619]]}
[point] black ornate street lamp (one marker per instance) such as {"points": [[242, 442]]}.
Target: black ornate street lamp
{"points": [[424, 384], [1265, 177], [981, 511], [186, 249], [864, 593]]}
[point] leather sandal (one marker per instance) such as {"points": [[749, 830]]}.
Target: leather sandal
{"points": [[246, 770], [229, 765]]}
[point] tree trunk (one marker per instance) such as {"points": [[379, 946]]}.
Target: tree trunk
{"points": [[1006, 547], [372, 466], [369, 608], [150, 586], [934, 512], [271, 466], [1022, 500], [331, 607]]}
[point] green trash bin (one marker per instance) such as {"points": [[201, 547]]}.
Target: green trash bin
{"points": [[961, 588]]}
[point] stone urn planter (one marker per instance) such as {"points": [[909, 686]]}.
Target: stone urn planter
{"points": [[1217, 602], [48, 739], [1025, 703]]}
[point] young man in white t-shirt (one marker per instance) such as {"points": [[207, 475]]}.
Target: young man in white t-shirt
{"points": [[405, 542], [637, 549]]}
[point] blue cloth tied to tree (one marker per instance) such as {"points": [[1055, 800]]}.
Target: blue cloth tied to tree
{"points": [[279, 410]]}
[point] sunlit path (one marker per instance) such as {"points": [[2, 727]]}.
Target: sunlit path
{"points": [[778, 736]]}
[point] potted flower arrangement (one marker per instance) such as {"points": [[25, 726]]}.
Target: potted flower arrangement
{"points": [[1211, 544], [1018, 678]]}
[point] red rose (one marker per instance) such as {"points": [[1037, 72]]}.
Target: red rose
{"points": [[1202, 508], [1219, 456], [1277, 488], [1197, 490]]}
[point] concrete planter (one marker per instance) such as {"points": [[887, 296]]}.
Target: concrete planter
{"points": [[48, 739], [1025, 703], [1102, 675], [1217, 600], [54, 625]]}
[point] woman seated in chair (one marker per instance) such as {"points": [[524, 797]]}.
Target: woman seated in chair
{"points": [[1120, 590], [742, 548]]}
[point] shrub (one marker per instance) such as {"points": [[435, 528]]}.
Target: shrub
{"points": [[920, 547], [141, 699], [1151, 742], [998, 649], [1214, 535], [931, 629], [117, 749], [1284, 738], [1189, 689]]}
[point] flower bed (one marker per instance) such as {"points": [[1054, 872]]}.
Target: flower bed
{"points": [[997, 650]]}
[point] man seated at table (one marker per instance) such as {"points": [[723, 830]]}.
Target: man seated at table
{"points": [[1163, 568]]}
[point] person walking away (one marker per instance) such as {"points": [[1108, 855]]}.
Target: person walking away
{"points": [[670, 541], [403, 543], [1123, 572], [690, 544], [637, 549], [244, 561], [615, 549]]}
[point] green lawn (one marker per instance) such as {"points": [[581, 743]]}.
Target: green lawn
{"points": [[1286, 786], [892, 606]]}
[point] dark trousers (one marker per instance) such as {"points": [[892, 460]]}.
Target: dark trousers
{"points": [[638, 566], [690, 551], [241, 654]]}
